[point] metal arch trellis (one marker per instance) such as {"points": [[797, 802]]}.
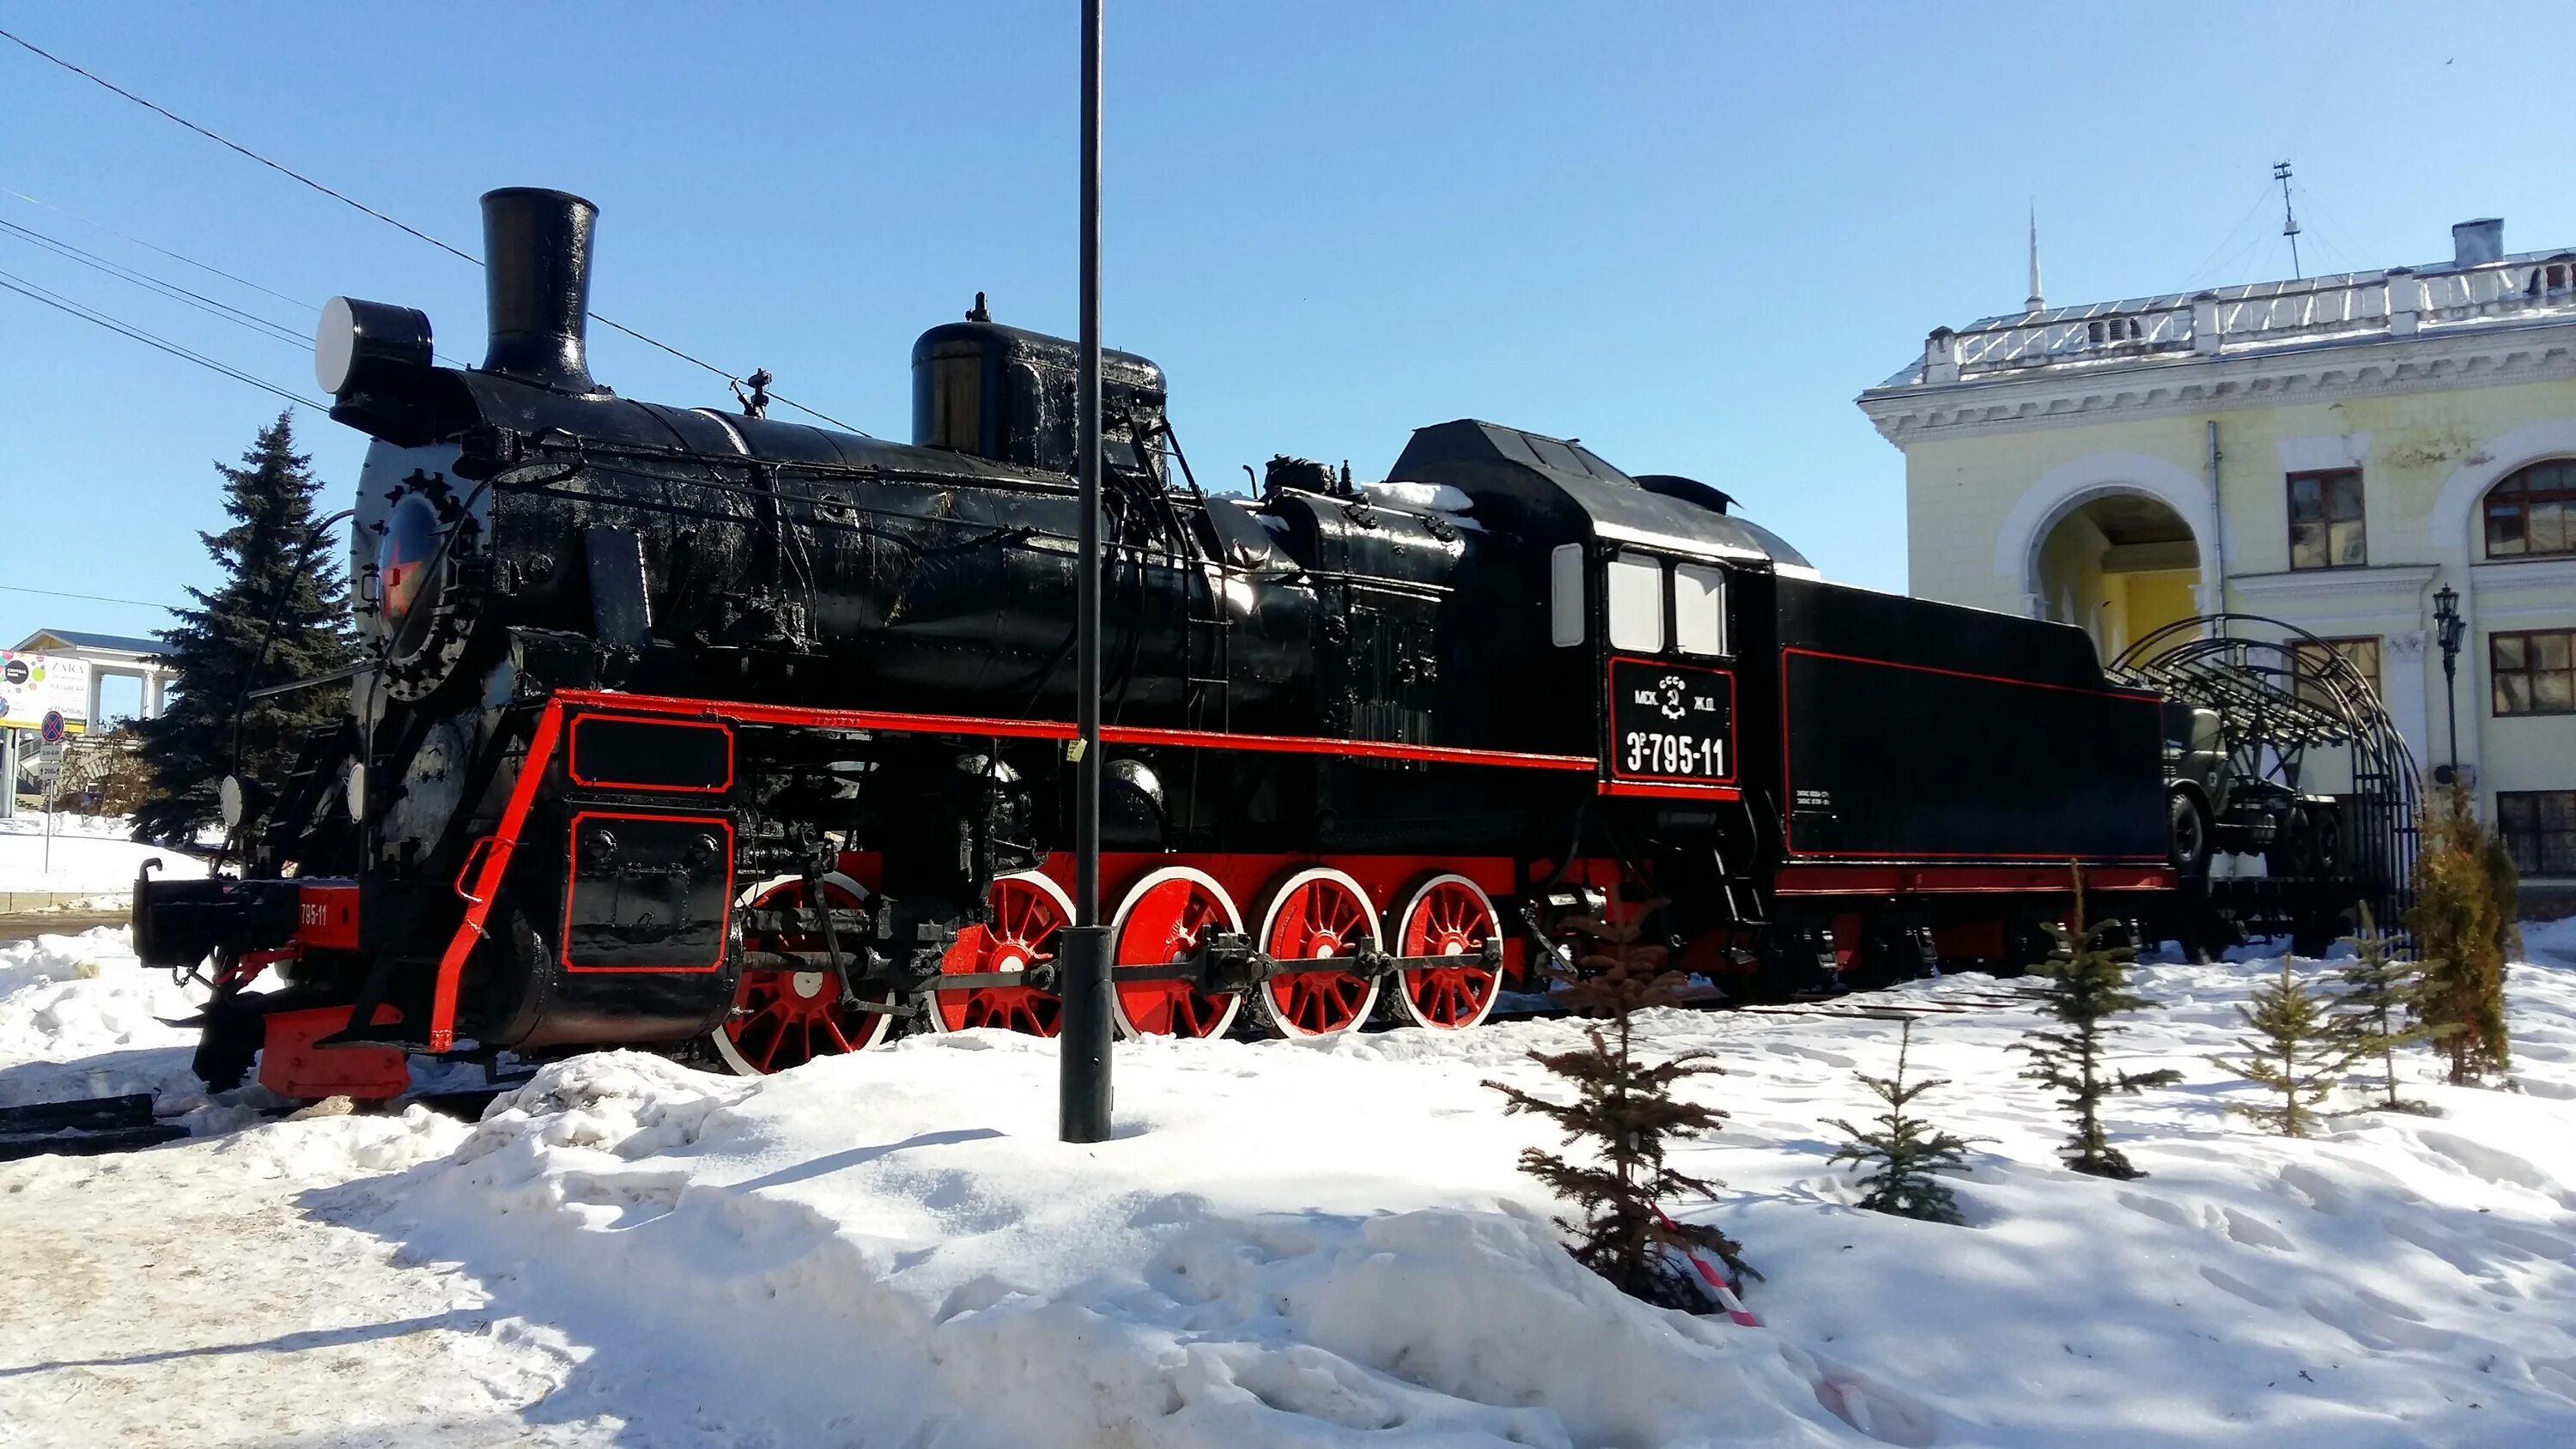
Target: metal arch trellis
{"points": [[2274, 706]]}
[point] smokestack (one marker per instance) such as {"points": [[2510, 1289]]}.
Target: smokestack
{"points": [[536, 278], [2475, 242]]}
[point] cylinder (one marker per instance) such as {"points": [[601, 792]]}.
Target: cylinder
{"points": [[536, 277]]}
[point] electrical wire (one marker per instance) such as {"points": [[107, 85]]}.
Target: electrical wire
{"points": [[274, 331], [60, 303], [404, 227], [91, 598], [152, 247]]}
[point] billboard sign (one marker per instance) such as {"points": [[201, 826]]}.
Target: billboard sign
{"points": [[33, 686]]}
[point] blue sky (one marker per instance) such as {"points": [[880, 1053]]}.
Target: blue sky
{"points": [[1687, 234]]}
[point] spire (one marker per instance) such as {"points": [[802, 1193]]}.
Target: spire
{"points": [[2037, 302]]}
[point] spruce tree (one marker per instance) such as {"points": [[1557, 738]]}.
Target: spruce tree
{"points": [[1625, 1109], [2296, 1051], [1903, 1151], [2463, 923], [280, 614], [2086, 982], [2381, 1008]]}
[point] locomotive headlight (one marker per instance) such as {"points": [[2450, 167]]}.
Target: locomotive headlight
{"points": [[406, 558], [356, 337]]}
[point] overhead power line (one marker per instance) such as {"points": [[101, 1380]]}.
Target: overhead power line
{"points": [[274, 331], [347, 200], [165, 251], [61, 303], [93, 598]]}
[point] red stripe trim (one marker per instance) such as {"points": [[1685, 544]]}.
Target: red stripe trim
{"points": [[1896, 880], [893, 722], [2136, 696], [496, 861], [1657, 791]]}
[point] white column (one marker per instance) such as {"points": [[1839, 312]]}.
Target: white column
{"points": [[2405, 677]]}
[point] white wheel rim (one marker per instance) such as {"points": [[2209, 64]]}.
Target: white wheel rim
{"points": [[1118, 928], [1405, 1005], [1046, 887], [882, 1024], [1275, 1015]]}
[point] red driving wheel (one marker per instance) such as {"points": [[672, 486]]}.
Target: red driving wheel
{"points": [[1317, 914], [784, 1019], [1164, 920], [1028, 911], [1447, 916]]}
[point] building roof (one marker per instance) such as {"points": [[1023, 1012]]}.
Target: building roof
{"points": [[44, 639], [2518, 290]]}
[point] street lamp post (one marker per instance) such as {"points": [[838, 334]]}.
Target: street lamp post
{"points": [[2448, 628], [1084, 1027]]}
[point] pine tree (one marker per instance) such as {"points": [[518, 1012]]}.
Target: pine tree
{"points": [[281, 614], [2296, 1051], [1625, 1108], [2463, 923], [2381, 1008], [1904, 1151], [2086, 982]]}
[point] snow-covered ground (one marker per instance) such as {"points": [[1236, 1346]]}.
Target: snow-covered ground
{"points": [[88, 854], [1294, 1243]]}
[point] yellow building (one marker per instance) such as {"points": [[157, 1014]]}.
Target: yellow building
{"points": [[2330, 452]]}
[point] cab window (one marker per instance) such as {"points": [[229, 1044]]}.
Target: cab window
{"points": [[1699, 609], [1636, 598]]}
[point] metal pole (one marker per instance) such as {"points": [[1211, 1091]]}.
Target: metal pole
{"points": [[2451, 699], [1083, 1090]]}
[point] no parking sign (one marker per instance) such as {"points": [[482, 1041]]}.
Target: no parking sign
{"points": [[52, 727]]}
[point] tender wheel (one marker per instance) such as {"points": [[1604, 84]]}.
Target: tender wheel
{"points": [[1316, 915], [786, 1019], [1163, 920], [1028, 911], [2187, 834], [1447, 916]]}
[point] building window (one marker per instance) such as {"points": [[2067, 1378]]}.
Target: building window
{"points": [[2115, 329], [2539, 829], [2325, 520], [2309, 657], [2533, 511], [2534, 671]]}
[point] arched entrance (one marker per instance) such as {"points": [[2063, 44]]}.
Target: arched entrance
{"points": [[2118, 564]]}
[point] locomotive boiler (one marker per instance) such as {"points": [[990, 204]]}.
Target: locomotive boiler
{"points": [[682, 725]]}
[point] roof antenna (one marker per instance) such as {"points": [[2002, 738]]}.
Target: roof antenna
{"points": [[2037, 302], [2289, 222], [979, 314]]}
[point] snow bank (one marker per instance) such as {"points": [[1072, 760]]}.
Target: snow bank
{"points": [[80, 1017], [90, 853], [1284, 1245], [1304, 1243]]}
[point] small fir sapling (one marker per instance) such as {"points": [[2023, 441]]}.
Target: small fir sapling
{"points": [[1626, 1110], [2085, 982], [2296, 1051], [2463, 923], [2381, 1008], [1903, 1152]]}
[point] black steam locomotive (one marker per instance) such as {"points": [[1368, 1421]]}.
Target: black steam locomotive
{"points": [[684, 724]]}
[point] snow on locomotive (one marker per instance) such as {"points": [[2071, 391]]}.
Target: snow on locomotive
{"points": [[682, 724]]}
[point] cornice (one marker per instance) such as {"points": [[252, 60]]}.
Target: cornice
{"points": [[2307, 585], [2332, 372]]}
